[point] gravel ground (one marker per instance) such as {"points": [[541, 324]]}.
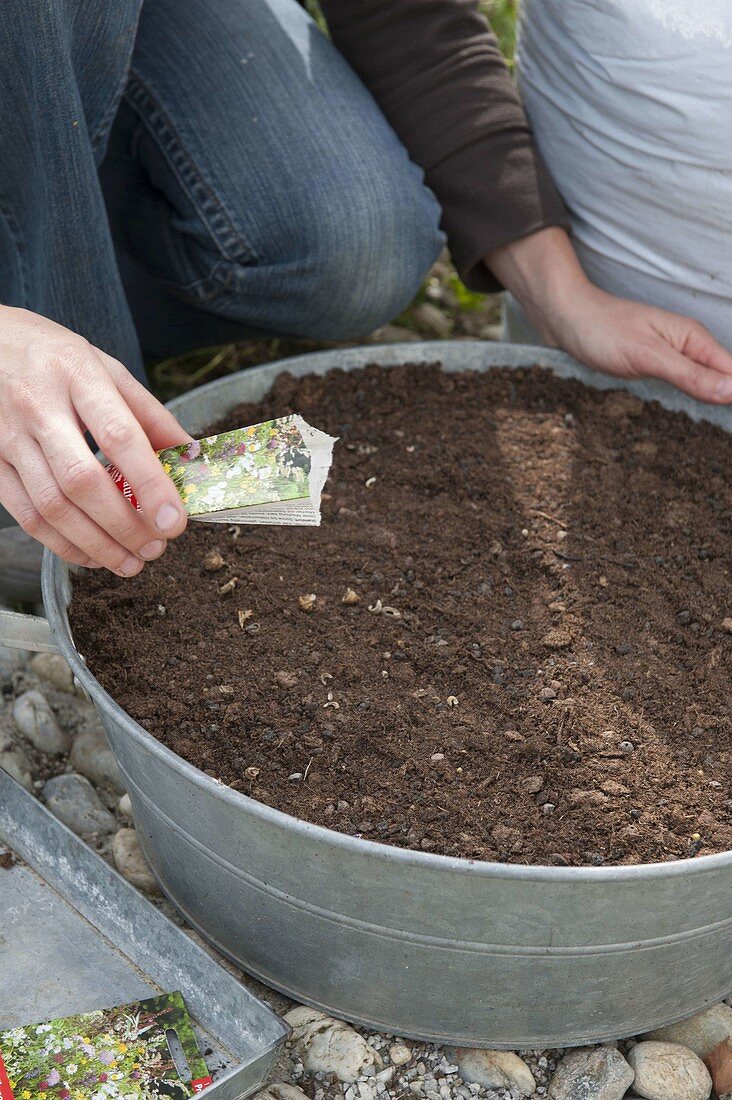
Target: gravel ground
{"points": [[52, 742]]}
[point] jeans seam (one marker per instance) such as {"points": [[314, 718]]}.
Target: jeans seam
{"points": [[108, 117], [228, 240]]}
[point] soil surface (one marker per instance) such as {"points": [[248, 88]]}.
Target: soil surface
{"points": [[7, 860], [533, 661]]}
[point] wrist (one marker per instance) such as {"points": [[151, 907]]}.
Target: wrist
{"points": [[544, 275]]}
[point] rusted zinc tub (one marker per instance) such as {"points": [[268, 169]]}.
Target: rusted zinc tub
{"points": [[413, 943]]}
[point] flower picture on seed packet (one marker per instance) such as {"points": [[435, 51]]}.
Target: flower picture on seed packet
{"points": [[258, 465], [115, 1054], [267, 473]]}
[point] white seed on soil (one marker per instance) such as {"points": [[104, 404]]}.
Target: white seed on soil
{"points": [[330, 1046], [36, 721], [668, 1071]]}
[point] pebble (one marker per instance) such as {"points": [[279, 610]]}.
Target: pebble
{"points": [[591, 1074], [557, 639], [16, 764], [700, 1033], [91, 756], [496, 1069], [330, 1046], [36, 721], [124, 806], [72, 799], [131, 863], [436, 322], [399, 1054], [727, 625], [280, 1090], [719, 1064], [668, 1071], [54, 669], [547, 694]]}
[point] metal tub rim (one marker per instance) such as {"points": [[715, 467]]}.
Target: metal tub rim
{"points": [[52, 584]]}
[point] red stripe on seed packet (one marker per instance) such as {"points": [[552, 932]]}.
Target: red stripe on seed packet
{"points": [[201, 1084], [119, 479], [6, 1093]]}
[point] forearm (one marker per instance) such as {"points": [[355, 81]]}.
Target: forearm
{"points": [[543, 273], [438, 75]]}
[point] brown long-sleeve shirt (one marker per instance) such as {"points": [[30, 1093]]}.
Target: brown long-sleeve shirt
{"points": [[437, 73]]}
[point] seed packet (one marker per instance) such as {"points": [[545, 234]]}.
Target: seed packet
{"points": [[118, 1053], [268, 473]]}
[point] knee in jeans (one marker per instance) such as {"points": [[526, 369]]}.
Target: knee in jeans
{"points": [[366, 257]]}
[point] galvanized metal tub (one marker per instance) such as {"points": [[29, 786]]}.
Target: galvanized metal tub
{"points": [[426, 946]]}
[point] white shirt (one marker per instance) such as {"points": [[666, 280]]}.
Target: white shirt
{"points": [[631, 105]]}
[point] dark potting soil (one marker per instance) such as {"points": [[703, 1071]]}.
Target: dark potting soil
{"points": [[535, 667], [7, 860]]}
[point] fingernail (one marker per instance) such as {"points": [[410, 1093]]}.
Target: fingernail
{"points": [[724, 389], [167, 518], [130, 566], [153, 549], [93, 565]]}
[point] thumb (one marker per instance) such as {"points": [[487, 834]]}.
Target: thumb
{"points": [[701, 346]]}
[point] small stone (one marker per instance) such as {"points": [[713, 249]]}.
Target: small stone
{"points": [[548, 809], [287, 680], [684, 618], [16, 764], [591, 1074], [532, 784], [399, 1054], [700, 1033], [124, 806], [393, 334], [280, 1090], [36, 721], [429, 317], [72, 799], [54, 669], [130, 862], [496, 1069], [719, 1063], [91, 756], [518, 624], [557, 639], [669, 1071], [727, 625], [547, 694], [330, 1046], [627, 747]]}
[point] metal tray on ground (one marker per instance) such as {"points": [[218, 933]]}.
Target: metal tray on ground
{"points": [[75, 936]]}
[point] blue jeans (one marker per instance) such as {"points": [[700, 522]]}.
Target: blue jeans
{"points": [[178, 173]]}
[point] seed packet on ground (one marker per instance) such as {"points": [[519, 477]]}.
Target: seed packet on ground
{"points": [[117, 1053], [268, 473]]}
